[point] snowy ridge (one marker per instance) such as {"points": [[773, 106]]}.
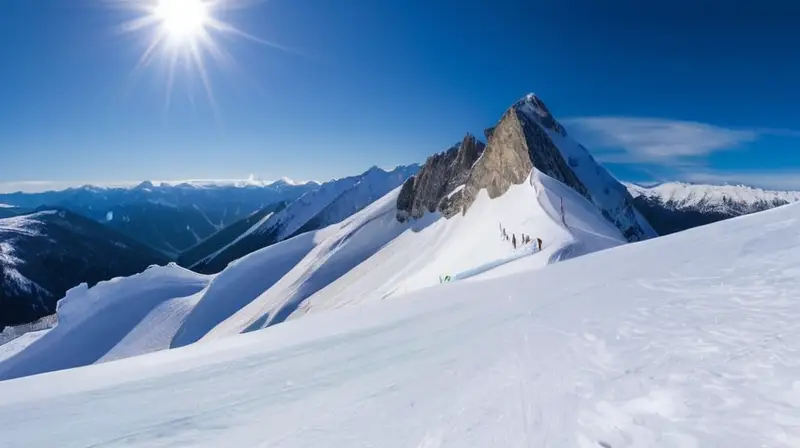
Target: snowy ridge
{"points": [[720, 198], [603, 350]]}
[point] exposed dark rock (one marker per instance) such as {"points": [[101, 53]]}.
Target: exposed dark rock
{"points": [[518, 144], [405, 199], [441, 175]]}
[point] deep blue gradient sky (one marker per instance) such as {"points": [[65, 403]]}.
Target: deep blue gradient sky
{"points": [[689, 90]]}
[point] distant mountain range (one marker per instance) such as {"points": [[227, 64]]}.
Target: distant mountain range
{"points": [[168, 218], [332, 202], [43, 254], [674, 206]]}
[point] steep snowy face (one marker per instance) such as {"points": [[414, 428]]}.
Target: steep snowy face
{"points": [[526, 137], [433, 188]]}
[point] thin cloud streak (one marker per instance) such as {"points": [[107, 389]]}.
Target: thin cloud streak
{"points": [[654, 140]]}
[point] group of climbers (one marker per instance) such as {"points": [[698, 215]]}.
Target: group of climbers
{"points": [[524, 239]]}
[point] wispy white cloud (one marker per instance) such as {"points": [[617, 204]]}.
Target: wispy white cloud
{"points": [[655, 140]]}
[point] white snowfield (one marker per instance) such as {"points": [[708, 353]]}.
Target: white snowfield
{"points": [[367, 258], [689, 340]]}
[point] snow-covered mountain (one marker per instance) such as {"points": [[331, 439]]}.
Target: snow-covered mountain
{"points": [[7, 211], [168, 217], [526, 137], [674, 206], [638, 345], [44, 254], [330, 203]]}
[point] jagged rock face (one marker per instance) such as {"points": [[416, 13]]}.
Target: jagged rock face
{"points": [[440, 176], [517, 145]]}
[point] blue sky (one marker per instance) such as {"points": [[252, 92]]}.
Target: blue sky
{"points": [[680, 90]]}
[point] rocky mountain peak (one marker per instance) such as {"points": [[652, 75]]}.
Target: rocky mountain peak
{"points": [[517, 145], [533, 106], [526, 136]]}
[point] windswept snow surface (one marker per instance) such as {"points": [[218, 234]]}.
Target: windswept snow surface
{"points": [[243, 281], [689, 340], [115, 319]]}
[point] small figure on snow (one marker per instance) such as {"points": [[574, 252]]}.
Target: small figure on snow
{"points": [[514, 241], [539, 240]]}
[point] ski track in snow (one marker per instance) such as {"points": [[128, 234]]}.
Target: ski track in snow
{"points": [[689, 340]]}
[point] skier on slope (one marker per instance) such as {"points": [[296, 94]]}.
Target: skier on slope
{"points": [[539, 240], [514, 240]]}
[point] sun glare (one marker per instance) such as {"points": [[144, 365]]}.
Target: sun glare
{"points": [[183, 20], [182, 33]]}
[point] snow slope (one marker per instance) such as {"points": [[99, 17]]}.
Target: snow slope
{"points": [[115, 319], [242, 282], [689, 340]]}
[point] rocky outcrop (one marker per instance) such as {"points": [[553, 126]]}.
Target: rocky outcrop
{"points": [[436, 182]]}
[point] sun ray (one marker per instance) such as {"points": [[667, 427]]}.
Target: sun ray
{"points": [[146, 57], [180, 31]]}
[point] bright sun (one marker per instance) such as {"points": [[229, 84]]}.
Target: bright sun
{"points": [[183, 20], [182, 34]]}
